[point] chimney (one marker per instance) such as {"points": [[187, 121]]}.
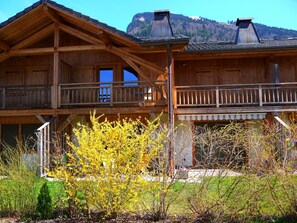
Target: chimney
{"points": [[161, 25], [246, 32]]}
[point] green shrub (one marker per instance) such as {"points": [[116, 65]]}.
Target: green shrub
{"points": [[44, 205]]}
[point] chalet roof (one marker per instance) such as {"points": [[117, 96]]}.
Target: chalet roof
{"points": [[206, 47], [70, 11], [160, 40], [9, 25]]}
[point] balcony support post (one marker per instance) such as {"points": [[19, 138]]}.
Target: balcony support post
{"points": [[56, 69], [170, 140]]}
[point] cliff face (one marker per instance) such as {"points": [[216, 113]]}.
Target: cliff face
{"points": [[202, 29]]}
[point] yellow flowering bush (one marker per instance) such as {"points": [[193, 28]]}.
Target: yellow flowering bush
{"points": [[108, 162]]}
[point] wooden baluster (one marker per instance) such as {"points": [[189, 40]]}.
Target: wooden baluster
{"points": [[111, 94], [260, 96], [217, 97], [225, 92], [182, 97]]}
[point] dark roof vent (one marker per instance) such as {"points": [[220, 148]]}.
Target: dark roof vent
{"points": [[246, 32], [161, 25]]}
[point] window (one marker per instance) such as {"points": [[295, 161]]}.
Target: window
{"points": [[130, 77], [105, 78]]}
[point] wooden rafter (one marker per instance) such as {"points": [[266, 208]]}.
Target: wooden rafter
{"points": [[51, 14], [4, 45], [142, 73], [136, 63], [30, 40], [122, 53], [92, 27], [80, 34], [104, 38], [35, 37]]}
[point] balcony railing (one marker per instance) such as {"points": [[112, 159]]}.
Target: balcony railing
{"points": [[111, 93], [236, 95], [25, 97]]}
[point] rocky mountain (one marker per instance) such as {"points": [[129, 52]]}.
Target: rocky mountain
{"points": [[202, 29]]}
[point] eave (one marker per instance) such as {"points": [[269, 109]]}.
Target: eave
{"points": [[271, 52]]}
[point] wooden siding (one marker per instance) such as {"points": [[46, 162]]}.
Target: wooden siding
{"points": [[234, 71]]}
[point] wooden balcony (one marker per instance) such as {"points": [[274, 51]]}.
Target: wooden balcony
{"points": [[25, 97], [244, 95], [112, 94]]}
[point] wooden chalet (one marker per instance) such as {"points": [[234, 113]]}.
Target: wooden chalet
{"points": [[57, 66]]}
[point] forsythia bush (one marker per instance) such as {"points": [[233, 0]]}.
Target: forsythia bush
{"points": [[108, 162]]}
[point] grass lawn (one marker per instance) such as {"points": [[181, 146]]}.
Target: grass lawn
{"points": [[264, 198]]}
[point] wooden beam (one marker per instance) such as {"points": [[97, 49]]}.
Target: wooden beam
{"points": [[86, 111], [92, 27], [122, 53], [4, 45], [32, 51], [142, 73], [46, 50], [104, 38], [4, 56], [79, 34], [66, 122], [31, 39], [41, 51], [51, 14], [35, 37], [80, 48], [56, 69]]}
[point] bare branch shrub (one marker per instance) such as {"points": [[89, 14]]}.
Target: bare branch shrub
{"points": [[165, 188], [264, 186]]}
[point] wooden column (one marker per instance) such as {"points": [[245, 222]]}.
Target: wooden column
{"points": [[170, 140], [56, 68]]}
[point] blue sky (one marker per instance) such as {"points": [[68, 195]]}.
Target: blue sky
{"points": [[119, 13]]}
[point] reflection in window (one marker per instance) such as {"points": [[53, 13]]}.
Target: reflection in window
{"points": [[130, 77]]}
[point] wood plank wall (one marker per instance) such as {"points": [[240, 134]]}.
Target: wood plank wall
{"points": [[234, 71]]}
